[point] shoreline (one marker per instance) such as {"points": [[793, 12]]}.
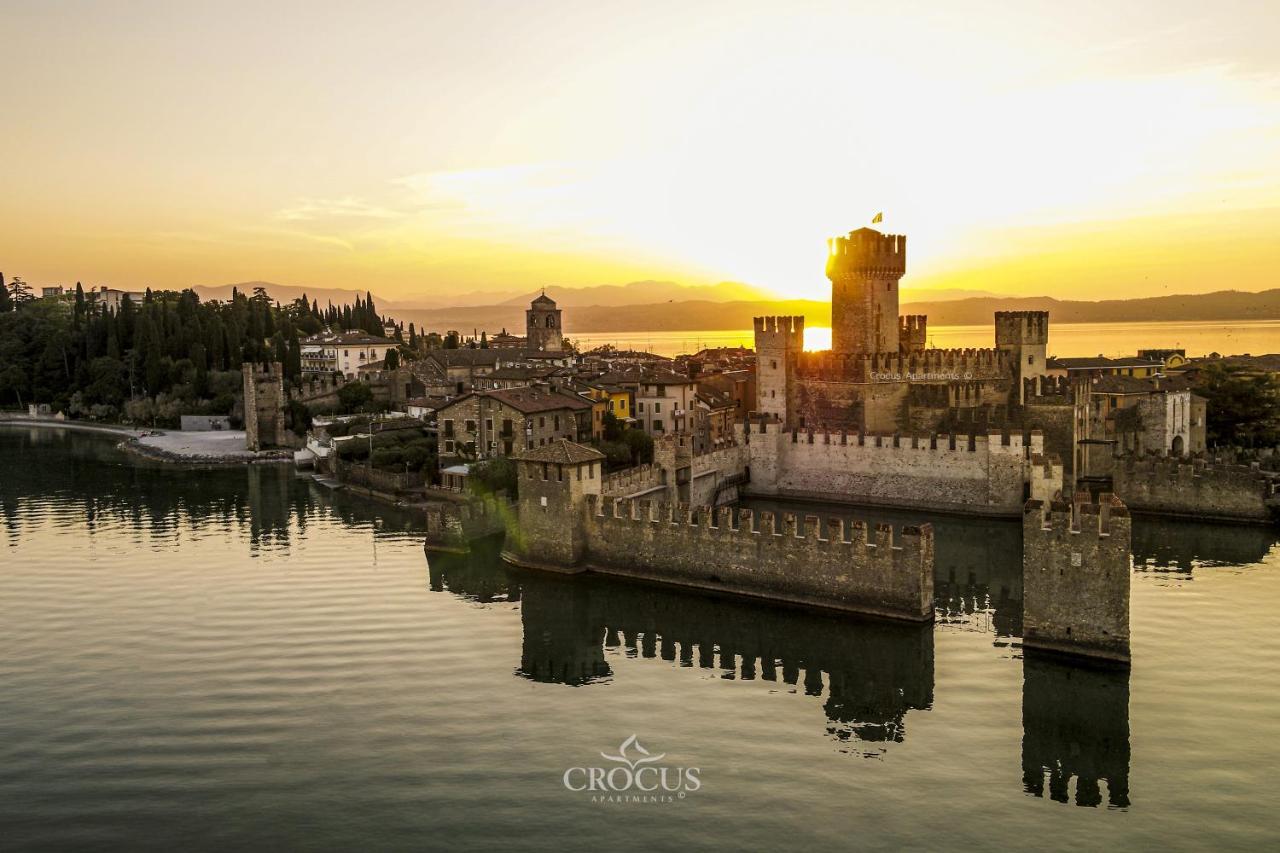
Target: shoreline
{"points": [[132, 442]]}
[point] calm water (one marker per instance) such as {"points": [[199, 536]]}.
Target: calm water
{"points": [[239, 658], [1065, 339]]}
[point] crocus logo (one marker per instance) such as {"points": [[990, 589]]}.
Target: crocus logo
{"points": [[635, 777]]}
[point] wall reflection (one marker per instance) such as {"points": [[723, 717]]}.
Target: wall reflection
{"points": [[578, 631], [1183, 546], [1075, 730]]}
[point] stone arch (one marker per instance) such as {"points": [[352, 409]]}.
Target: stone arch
{"points": [[1177, 447]]}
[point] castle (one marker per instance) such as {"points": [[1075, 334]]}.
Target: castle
{"points": [[879, 375]]}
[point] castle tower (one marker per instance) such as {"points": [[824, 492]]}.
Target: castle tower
{"points": [[778, 341], [864, 269], [542, 325], [263, 405], [554, 482], [1024, 337], [1075, 577]]}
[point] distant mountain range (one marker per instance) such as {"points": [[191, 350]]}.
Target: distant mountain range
{"points": [[608, 295], [641, 306]]}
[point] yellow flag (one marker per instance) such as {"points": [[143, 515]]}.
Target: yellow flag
{"points": [[879, 217]]}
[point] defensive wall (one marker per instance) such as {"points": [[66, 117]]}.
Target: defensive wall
{"points": [[1075, 576], [567, 525], [1197, 488], [263, 405], [763, 556], [678, 475], [980, 474]]}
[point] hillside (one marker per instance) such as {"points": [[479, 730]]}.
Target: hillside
{"points": [[706, 315]]}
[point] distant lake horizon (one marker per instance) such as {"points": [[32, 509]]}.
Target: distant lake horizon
{"points": [[1198, 338]]}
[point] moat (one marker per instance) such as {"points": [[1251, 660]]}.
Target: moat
{"points": [[241, 658]]}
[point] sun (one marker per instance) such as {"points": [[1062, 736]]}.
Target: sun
{"points": [[817, 338]]}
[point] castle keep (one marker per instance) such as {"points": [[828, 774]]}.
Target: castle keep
{"points": [[880, 375]]}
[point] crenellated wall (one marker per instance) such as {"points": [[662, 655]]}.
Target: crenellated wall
{"points": [[1196, 488], [762, 556], [1075, 577], [982, 474]]}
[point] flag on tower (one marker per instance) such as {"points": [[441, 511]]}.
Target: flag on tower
{"points": [[879, 217]]}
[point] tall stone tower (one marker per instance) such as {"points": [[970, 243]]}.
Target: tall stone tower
{"points": [[1023, 336], [778, 341], [864, 269], [1075, 577], [542, 325]]}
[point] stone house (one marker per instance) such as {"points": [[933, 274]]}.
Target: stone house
{"points": [[483, 424], [1123, 415]]}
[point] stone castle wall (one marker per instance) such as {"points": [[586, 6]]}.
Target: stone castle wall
{"points": [[983, 474], [1196, 488], [1076, 567], [756, 556]]}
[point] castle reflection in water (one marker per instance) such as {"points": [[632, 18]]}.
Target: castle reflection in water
{"points": [[867, 674]]}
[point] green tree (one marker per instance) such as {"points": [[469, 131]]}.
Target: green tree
{"points": [[355, 397], [1243, 408], [641, 444], [6, 301], [392, 360], [497, 474]]}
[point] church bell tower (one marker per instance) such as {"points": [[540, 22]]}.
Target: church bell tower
{"points": [[542, 325]]}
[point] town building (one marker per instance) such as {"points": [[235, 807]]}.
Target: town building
{"points": [[662, 398], [543, 326], [482, 424], [343, 352]]}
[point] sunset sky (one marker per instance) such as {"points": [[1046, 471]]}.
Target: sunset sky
{"points": [[1086, 150]]}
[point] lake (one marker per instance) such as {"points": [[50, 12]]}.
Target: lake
{"points": [[240, 658], [1065, 339]]}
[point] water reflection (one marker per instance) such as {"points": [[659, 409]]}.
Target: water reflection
{"points": [[1075, 727], [1185, 545], [102, 487], [578, 630]]}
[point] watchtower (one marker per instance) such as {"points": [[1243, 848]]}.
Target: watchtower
{"points": [[263, 405], [778, 341], [1024, 337], [864, 269], [1075, 577], [542, 325], [554, 482]]}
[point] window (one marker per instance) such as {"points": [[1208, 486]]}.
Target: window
{"points": [[448, 429], [1031, 359], [448, 446], [557, 423], [640, 406], [657, 408], [488, 424], [471, 426], [773, 364], [506, 426], [542, 422], [346, 352]]}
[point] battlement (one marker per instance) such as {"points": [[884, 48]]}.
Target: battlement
{"points": [[836, 563], [1060, 518], [920, 365], [867, 251], [1047, 390], [1197, 488], [913, 332], [779, 332], [1022, 328], [629, 480], [1075, 576]]}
